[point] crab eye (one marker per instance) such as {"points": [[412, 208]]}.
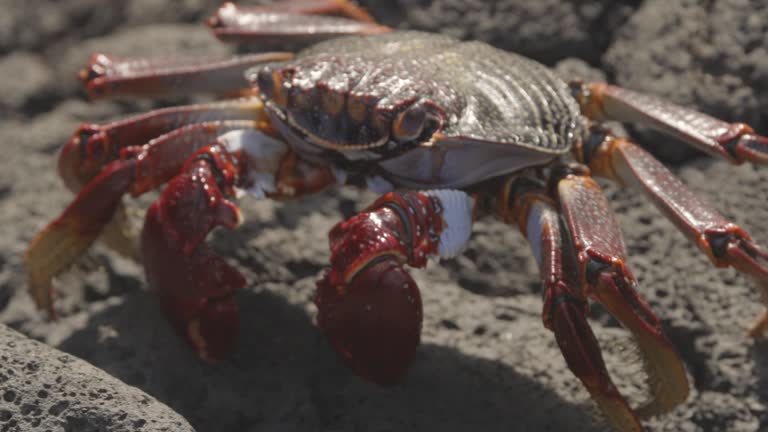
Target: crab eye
{"points": [[409, 123]]}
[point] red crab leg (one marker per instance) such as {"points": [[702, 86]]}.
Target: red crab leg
{"points": [[292, 21], [142, 168], [736, 142], [725, 243], [94, 145], [605, 276], [565, 305], [111, 77], [342, 8], [368, 305]]}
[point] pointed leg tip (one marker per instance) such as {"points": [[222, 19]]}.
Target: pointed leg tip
{"points": [[40, 288], [40, 273], [618, 414], [753, 148], [741, 253]]}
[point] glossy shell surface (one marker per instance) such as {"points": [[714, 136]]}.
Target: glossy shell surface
{"points": [[497, 111]]}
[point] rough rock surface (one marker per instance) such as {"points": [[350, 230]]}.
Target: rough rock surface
{"points": [[45, 389], [718, 48], [486, 362]]}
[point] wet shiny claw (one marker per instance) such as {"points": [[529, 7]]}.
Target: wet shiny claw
{"points": [[195, 286], [374, 322]]}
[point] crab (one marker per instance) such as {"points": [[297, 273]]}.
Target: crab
{"points": [[447, 131]]}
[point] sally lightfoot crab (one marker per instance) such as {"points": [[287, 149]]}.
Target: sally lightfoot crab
{"points": [[447, 131]]}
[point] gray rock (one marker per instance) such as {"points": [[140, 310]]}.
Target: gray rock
{"points": [[546, 30], [138, 12], [45, 389], [577, 69], [40, 24], [709, 56], [26, 80]]}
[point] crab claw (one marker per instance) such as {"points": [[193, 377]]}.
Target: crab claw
{"points": [[195, 290], [194, 285], [374, 320]]}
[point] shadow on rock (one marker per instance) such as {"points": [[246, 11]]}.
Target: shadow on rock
{"points": [[285, 377]]}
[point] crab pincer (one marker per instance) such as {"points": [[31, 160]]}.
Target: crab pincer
{"points": [[368, 305], [138, 170], [373, 320], [195, 286]]}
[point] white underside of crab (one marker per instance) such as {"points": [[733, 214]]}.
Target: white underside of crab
{"points": [[264, 153], [457, 219]]}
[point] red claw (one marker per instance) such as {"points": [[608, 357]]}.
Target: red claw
{"points": [[368, 305], [195, 290], [374, 322], [195, 286]]}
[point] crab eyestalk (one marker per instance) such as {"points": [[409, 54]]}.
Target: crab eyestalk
{"points": [[368, 305]]}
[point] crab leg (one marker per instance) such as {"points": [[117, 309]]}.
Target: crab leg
{"points": [[140, 169], [342, 8], [92, 146], [725, 243], [736, 142], [111, 77], [605, 276], [565, 305], [292, 21], [368, 305]]}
